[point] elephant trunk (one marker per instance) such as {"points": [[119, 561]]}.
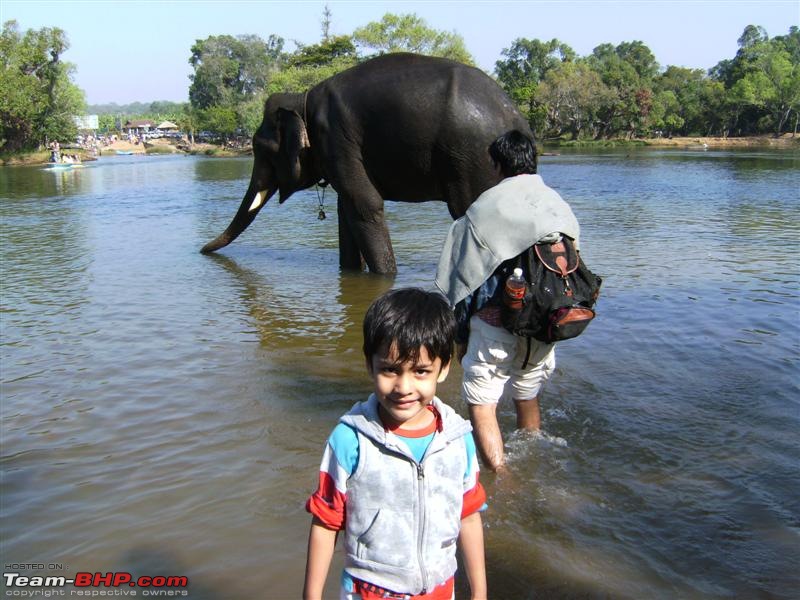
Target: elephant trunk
{"points": [[255, 198]]}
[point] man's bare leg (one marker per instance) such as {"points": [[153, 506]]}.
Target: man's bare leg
{"points": [[528, 415], [487, 434]]}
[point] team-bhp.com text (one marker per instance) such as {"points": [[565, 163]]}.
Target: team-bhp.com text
{"points": [[94, 584]]}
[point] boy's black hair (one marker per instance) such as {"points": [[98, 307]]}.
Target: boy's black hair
{"points": [[515, 152], [409, 319]]}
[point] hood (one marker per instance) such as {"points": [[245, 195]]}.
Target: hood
{"points": [[505, 220], [364, 418]]}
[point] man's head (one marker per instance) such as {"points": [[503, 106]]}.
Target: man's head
{"points": [[408, 342], [514, 153]]}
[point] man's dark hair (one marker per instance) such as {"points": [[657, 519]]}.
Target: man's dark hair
{"points": [[409, 319], [515, 152]]}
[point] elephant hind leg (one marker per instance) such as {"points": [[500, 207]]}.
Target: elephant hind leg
{"points": [[460, 193], [463, 180]]}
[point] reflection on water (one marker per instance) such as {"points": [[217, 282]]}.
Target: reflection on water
{"points": [[165, 410]]}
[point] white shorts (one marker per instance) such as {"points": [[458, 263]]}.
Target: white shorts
{"points": [[493, 365]]}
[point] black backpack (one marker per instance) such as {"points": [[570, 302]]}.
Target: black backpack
{"points": [[559, 298]]}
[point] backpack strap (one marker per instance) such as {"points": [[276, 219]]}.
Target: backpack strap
{"points": [[528, 269], [560, 257], [527, 352]]}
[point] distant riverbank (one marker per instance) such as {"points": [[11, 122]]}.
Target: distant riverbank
{"points": [[785, 142], [41, 157]]}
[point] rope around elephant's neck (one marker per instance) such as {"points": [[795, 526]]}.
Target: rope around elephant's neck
{"points": [[322, 183], [321, 200]]}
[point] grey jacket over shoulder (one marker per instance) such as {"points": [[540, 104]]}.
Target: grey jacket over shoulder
{"points": [[404, 517], [504, 221]]}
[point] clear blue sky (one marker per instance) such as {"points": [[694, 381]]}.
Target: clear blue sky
{"points": [[138, 50]]}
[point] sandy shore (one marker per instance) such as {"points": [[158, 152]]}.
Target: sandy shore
{"points": [[786, 141], [123, 146]]}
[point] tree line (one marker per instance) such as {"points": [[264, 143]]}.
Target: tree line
{"points": [[615, 92]]}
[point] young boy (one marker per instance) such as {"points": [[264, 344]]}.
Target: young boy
{"points": [[399, 476]]}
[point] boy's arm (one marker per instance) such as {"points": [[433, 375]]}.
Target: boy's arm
{"points": [[471, 541], [321, 542]]}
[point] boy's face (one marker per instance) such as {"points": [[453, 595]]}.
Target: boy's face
{"points": [[405, 389]]}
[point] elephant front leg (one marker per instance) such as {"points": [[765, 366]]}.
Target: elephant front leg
{"points": [[363, 235]]}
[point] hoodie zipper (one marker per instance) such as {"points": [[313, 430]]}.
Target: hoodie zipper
{"points": [[424, 509], [422, 524]]}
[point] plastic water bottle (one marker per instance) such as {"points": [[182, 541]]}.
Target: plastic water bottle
{"points": [[515, 290]]}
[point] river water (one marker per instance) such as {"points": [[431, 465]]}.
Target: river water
{"points": [[164, 412]]}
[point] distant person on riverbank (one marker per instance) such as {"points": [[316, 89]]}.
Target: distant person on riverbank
{"points": [[399, 476], [478, 256], [55, 151]]}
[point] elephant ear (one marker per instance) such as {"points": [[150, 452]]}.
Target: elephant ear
{"points": [[293, 138]]}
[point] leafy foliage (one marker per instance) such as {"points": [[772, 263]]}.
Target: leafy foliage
{"points": [[621, 91], [328, 51], [616, 91], [410, 33], [527, 62], [37, 97], [238, 74], [229, 69], [572, 94], [229, 72], [301, 78], [762, 82]]}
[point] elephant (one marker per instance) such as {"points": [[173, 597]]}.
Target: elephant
{"points": [[400, 126]]}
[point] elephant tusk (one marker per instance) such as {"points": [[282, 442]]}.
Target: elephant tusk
{"points": [[258, 201]]}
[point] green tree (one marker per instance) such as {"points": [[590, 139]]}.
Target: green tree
{"points": [[222, 120], [229, 74], [627, 69], [38, 101], [571, 93], [713, 116], [231, 69], [751, 42], [250, 114], [762, 81], [749, 92], [410, 33], [781, 88], [309, 65], [108, 122], [301, 78], [329, 50], [790, 43], [679, 92], [189, 121], [641, 58], [526, 63], [666, 113]]}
